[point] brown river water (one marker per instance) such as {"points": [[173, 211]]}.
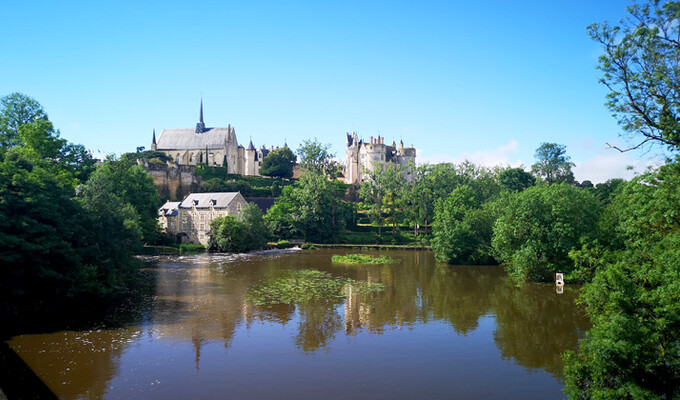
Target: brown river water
{"points": [[436, 332]]}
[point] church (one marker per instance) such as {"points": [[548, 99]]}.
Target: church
{"points": [[210, 146]]}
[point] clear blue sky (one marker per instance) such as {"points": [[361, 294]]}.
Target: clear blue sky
{"points": [[488, 81]]}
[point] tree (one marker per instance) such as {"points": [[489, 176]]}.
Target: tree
{"points": [[516, 179], [127, 184], [632, 350], [278, 163], [382, 189], [640, 69], [311, 209], [237, 234], [16, 110], [540, 226], [318, 157], [552, 163]]}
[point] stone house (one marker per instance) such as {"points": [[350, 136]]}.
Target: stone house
{"points": [[189, 220]]}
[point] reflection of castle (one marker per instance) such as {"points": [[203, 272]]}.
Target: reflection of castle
{"points": [[361, 157], [211, 146]]}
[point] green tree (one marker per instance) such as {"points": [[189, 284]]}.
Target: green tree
{"points": [[516, 179], [540, 226], [632, 351], [640, 69], [382, 190], [318, 157], [237, 234], [128, 184], [311, 209], [278, 163], [17, 110], [553, 164]]}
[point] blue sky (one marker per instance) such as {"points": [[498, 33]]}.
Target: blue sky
{"points": [[486, 81]]}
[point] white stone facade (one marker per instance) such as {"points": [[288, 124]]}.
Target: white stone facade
{"points": [[361, 157]]}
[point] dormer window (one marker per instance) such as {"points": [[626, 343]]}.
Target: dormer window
{"points": [[195, 202], [213, 202]]}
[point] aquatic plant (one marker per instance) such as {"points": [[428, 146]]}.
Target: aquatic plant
{"points": [[363, 259], [305, 286]]}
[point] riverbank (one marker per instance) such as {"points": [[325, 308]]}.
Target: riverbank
{"points": [[373, 246]]}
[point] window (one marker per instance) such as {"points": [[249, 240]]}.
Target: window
{"points": [[195, 202]]}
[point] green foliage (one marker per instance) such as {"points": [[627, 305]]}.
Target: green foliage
{"points": [[125, 185], [308, 246], [312, 209], [149, 155], [540, 226], [516, 179], [304, 286], [640, 69], [552, 163], [463, 227], [633, 351], [191, 248], [363, 259], [278, 163], [53, 246], [382, 190], [246, 232], [317, 157], [283, 244], [17, 110]]}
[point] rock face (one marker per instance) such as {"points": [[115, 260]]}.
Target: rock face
{"points": [[173, 181]]}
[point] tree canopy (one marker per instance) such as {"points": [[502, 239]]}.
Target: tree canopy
{"points": [[278, 163], [553, 164], [641, 70]]}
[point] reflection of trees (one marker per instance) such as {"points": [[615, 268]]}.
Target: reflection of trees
{"points": [[460, 294], [319, 322], [535, 325], [418, 289], [75, 365]]}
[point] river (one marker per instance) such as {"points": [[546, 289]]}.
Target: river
{"points": [[437, 332]]}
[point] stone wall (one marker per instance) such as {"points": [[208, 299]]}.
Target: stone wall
{"points": [[173, 181]]}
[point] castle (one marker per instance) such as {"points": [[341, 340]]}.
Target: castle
{"points": [[211, 146], [361, 157]]}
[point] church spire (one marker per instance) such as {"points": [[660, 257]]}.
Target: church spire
{"points": [[200, 126], [153, 141]]}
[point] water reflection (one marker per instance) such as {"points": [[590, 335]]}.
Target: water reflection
{"points": [[535, 325], [428, 310]]}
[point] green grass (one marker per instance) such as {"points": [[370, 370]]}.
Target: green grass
{"points": [[191, 248], [304, 286], [363, 259]]}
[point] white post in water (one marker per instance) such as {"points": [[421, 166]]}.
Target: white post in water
{"points": [[559, 282]]}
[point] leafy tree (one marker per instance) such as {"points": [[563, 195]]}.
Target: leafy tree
{"points": [[640, 69], [311, 209], [317, 156], [238, 234], [279, 163], [552, 163], [127, 184], [536, 230], [382, 190], [516, 179], [463, 227], [17, 110], [633, 301]]}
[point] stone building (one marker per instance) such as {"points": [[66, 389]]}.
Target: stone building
{"points": [[189, 220], [211, 146], [362, 157]]}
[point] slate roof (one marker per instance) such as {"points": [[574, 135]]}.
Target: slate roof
{"points": [[188, 139], [169, 208], [221, 199]]}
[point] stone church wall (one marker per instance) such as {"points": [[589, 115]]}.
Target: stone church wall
{"points": [[173, 181]]}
